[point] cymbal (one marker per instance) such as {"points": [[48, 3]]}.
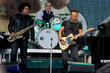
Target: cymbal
{"points": [[66, 14]]}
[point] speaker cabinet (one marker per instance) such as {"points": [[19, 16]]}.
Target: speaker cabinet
{"points": [[104, 69], [80, 67]]}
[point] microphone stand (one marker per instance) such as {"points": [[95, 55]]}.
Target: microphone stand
{"points": [[51, 49]]}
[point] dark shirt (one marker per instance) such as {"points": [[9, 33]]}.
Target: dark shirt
{"points": [[19, 22], [47, 16], [71, 27]]}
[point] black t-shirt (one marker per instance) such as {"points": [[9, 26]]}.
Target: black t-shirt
{"points": [[71, 27]]}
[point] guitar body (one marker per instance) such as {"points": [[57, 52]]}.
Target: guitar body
{"points": [[63, 47], [68, 41]]}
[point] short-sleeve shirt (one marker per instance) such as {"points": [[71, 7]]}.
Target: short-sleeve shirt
{"points": [[71, 27]]}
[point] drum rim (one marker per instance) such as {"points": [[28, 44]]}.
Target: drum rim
{"points": [[38, 41], [50, 21]]}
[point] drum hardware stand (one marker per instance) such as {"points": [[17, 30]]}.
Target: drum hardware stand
{"points": [[47, 25], [49, 42], [51, 52]]}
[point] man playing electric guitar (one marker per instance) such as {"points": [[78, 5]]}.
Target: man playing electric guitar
{"points": [[68, 27], [17, 23]]}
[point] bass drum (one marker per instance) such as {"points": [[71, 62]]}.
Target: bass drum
{"points": [[36, 30], [47, 38]]}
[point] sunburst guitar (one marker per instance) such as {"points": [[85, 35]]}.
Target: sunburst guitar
{"points": [[69, 40]]}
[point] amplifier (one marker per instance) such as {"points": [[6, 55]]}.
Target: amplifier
{"points": [[79, 67], [104, 69]]}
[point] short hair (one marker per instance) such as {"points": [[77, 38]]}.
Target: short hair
{"points": [[74, 11], [47, 3], [21, 7]]}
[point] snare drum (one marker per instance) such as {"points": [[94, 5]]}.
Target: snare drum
{"points": [[47, 38], [56, 23]]}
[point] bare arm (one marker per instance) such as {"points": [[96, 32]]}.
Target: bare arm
{"points": [[60, 31], [80, 31]]}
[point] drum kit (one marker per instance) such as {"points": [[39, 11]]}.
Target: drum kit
{"points": [[47, 36]]}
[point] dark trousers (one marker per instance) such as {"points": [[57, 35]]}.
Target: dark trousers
{"points": [[22, 44], [74, 55]]}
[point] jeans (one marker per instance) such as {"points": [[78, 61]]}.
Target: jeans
{"points": [[22, 44], [74, 55]]}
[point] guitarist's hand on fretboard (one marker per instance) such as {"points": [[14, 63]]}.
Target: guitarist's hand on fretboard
{"points": [[75, 37], [13, 34]]}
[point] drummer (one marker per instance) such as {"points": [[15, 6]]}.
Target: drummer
{"points": [[46, 14]]}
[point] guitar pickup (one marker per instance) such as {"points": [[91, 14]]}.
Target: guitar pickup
{"points": [[69, 41]]}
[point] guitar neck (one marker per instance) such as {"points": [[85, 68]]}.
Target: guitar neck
{"points": [[81, 33], [90, 29]]}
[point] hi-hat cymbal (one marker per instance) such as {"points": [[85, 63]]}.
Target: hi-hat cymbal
{"points": [[65, 14]]}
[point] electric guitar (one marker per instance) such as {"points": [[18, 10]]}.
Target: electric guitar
{"points": [[69, 40], [18, 34]]}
